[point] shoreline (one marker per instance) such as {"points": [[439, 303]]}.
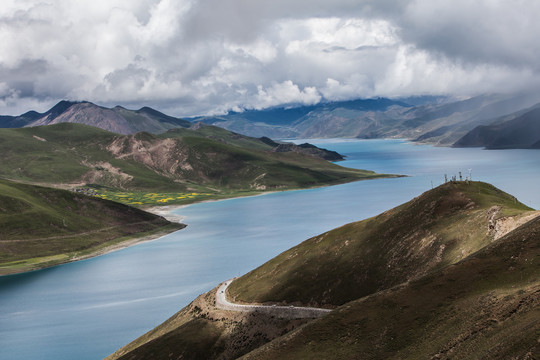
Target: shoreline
{"points": [[165, 211], [106, 249]]}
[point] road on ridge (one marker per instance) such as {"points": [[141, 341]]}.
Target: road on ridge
{"points": [[291, 312]]}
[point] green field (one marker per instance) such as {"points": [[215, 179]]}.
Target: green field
{"points": [[144, 198]]}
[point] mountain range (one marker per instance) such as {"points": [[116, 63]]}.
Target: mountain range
{"points": [[453, 273], [435, 123], [118, 119], [434, 120]]}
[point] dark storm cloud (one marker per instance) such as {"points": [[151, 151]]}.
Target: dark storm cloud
{"points": [[200, 56]]}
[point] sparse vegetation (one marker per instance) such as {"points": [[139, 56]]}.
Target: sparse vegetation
{"points": [[209, 161], [428, 279], [439, 228]]}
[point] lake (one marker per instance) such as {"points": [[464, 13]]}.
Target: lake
{"points": [[88, 309]]}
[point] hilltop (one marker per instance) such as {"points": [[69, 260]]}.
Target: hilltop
{"points": [[44, 227], [411, 282], [203, 159]]}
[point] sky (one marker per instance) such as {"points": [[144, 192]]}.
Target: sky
{"points": [[196, 57]]}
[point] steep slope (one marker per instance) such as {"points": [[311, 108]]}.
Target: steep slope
{"points": [[118, 120], [519, 131], [365, 260], [43, 226], [79, 155], [439, 228], [484, 307]]}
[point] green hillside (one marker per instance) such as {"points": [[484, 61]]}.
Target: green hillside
{"points": [[439, 228], [443, 273], [484, 307], [206, 160], [41, 226]]}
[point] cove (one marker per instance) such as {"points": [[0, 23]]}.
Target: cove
{"points": [[88, 309]]}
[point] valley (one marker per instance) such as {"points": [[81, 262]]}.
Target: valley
{"points": [[226, 239], [189, 180]]}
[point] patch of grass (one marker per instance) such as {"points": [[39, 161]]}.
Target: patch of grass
{"points": [[153, 198]]}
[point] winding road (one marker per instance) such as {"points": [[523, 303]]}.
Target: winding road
{"points": [[291, 312]]}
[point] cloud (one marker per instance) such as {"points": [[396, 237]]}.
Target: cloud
{"points": [[286, 93], [191, 57]]}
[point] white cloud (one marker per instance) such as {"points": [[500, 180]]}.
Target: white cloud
{"points": [[201, 56], [286, 93]]}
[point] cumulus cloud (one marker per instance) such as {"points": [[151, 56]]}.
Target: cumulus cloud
{"points": [[190, 57]]}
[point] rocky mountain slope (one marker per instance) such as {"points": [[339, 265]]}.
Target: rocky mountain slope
{"points": [[518, 130], [453, 272], [118, 119], [205, 158]]}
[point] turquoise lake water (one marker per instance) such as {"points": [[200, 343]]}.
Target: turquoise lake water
{"points": [[88, 309]]}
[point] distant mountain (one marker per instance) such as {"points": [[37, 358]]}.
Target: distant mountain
{"points": [[441, 123], [284, 122], [518, 130], [117, 119], [209, 158], [453, 273]]}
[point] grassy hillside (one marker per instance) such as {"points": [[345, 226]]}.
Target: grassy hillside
{"points": [[484, 307], [206, 160], [437, 229], [42, 226], [407, 273]]}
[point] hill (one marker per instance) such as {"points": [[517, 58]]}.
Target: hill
{"points": [[439, 228], [43, 227], [118, 119], [484, 307], [396, 282], [204, 159], [518, 130]]}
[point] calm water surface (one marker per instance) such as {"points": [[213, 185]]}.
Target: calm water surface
{"points": [[88, 309]]}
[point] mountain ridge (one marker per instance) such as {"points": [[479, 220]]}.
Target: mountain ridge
{"points": [[517, 130], [202, 331], [118, 119], [440, 123], [209, 159]]}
